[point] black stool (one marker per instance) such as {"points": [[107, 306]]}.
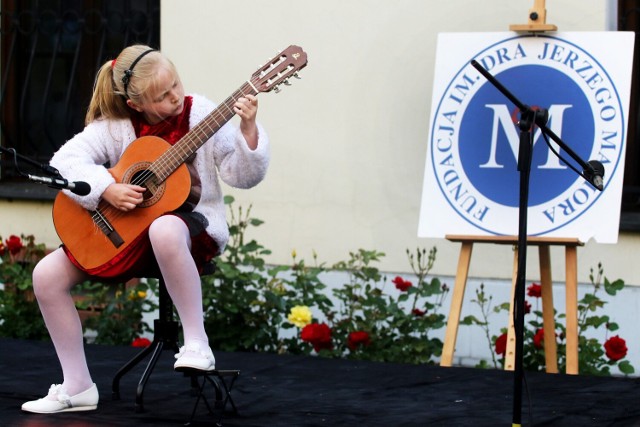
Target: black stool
{"points": [[165, 337]]}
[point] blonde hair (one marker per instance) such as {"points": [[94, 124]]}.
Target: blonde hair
{"points": [[109, 99]]}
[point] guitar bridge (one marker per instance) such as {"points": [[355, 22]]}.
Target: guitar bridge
{"points": [[107, 229]]}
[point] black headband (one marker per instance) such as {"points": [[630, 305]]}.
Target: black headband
{"points": [[128, 73]]}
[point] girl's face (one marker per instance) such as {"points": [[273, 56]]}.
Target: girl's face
{"points": [[163, 99]]}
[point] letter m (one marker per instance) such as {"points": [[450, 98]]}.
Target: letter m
{"points": [[502, 119]]}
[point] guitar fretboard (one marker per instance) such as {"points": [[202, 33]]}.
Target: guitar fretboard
{"points": [[175, 156]]}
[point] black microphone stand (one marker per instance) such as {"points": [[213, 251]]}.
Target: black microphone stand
{"points": [[43, 167], [529, 118]]}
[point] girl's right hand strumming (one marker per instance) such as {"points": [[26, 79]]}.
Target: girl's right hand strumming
{"points": [[124, 197]]}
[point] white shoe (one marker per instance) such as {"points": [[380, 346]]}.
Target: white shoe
{"points": [[85, 401], [195, 356]]}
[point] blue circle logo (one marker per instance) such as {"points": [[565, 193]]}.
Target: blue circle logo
{"points": [[475, 139]]}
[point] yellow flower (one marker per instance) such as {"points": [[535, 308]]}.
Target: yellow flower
{"points": [[133, 295], [300, 316]]}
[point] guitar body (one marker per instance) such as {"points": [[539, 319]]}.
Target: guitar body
{"points": [[92, 243]]}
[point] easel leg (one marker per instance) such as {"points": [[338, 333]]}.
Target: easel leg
{"points": [[548, 319], [571, 261], [510, 354], [453, 321]]}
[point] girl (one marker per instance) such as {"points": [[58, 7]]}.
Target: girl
{"points": [[139, 93]]}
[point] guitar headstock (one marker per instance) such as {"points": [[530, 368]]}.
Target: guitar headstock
{"points": [[279, 69]]}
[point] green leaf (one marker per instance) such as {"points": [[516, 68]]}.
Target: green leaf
{"points": [[472, 320], [626, 367], [613, 287]]}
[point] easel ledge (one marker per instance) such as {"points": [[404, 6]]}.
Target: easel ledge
{"points": [[531, 240]]}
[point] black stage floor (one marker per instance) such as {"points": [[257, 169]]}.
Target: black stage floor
{"points": [[287, 390]]}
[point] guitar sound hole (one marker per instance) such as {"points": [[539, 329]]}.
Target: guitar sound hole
{"points": [[147, 179]]}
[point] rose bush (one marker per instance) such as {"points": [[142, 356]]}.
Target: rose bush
{"points": [[250, 306], [19, 312], [115, 317], [596, 356]]}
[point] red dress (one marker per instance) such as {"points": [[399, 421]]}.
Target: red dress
{"points": [[137, 260]]}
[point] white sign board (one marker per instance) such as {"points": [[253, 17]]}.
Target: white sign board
{"points": [[471, 182]]}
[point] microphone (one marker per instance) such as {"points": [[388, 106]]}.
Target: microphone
{"points": [[78, 187], [595, 173]]}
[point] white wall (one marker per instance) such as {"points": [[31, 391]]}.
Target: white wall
{"points": [[349, 139]]}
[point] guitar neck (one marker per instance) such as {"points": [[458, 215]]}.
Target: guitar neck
{"points": [[175, 156]]}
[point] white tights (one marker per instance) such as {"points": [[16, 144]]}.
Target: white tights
{"points": [[55, 275]]}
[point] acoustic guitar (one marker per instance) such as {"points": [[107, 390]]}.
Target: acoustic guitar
{"points": [[96, 237]]}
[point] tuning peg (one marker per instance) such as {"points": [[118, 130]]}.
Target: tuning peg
{"points": [[276, 89], [296, 75], [286, 82]]}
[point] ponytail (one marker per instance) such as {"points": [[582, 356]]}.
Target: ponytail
{"points": [[106, 101]]}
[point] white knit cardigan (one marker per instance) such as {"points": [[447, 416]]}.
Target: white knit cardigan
{"points": [[102, 142]]}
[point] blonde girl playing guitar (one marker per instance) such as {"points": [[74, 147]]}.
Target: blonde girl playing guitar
{"points": [[139, 94]]}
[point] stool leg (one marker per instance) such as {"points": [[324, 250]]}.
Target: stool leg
{"points": [[200, 391], [115, 385], [165, 337], [453, 321], [548, 318], [145, 375]]}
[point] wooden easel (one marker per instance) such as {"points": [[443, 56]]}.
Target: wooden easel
{"points": [[543, 243]]}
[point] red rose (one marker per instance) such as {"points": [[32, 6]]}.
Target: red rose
{"points": [[358, 338], [535, 290], [538, 339], [527, 307], [318, 334], [418, 313], [615, 348], [501, 344], [401, 284], [2, 248], [14, 244], [141, 342]]}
